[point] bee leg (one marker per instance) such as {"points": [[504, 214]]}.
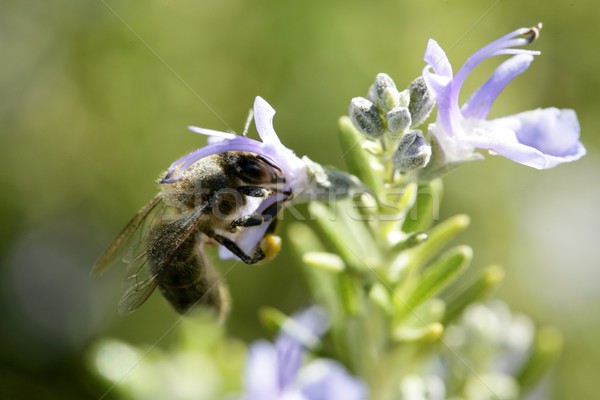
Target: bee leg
{"points": [[254, 191], [256, 219], [271, 212], [234, 248], [272, 226], [246, 221]]}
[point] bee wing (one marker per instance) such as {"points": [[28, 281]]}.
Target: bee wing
{"points": [[131, 237], [141, 280], [138, 285]]}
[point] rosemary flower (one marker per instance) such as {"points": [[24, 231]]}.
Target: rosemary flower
{"points": [[541, 138]]}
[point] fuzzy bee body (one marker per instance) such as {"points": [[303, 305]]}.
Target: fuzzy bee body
{"points": [[216, 198], [188, 280]]}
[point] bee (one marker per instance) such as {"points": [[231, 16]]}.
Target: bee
{"points": [[163, 245]]}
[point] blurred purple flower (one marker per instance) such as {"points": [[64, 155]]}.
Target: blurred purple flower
{"points": [[274, 371], [541, 138]]}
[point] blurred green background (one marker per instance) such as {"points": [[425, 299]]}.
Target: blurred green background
{"points": [[95, 97]]}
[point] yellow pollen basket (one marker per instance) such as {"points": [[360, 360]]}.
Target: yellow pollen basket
{"points": [[270, 245]]}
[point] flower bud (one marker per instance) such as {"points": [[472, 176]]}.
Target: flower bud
{"points": [[398, 119], [413, 152], [421, 101], [383, 93], [404, 98], [365, 118]]}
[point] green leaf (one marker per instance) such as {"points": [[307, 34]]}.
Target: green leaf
{"points": [[358, 234], [359, 162], [324, 260], [426, 208], [381, 296], [439, 275], [272, 319], [303, 239], [428, 312], [477, 289], [351, 294], [547, 347], [323, 284], [413, 240], [350, 238], [394, 203], [439, 236], [411, 334]]}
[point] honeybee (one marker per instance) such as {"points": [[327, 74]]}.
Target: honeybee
{"points": [[163, 243], [228, 193]]}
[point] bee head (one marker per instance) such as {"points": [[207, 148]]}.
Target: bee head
{"points": [[253, 169]]}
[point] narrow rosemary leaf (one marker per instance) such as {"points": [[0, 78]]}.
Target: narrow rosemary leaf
{"points": [[477, 289], [381, 297], [429, 333], [359, 162], [425, 210], [439, 236], [547, 347], [324, 260], [439, 275], [272, 319], [323, 284], [340, 237]]}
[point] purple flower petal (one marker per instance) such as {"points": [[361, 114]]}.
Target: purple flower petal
{"points": [[294, 167], [552, 131], [261, 372], [213, 133], [437, 59], [301, 331], [239, 143], [500, 46], [263, 117], [478, 106], [289, 356], [311, 321], [441, 83], [271, 148], [319, 380], [539, 139], [326, 379]]}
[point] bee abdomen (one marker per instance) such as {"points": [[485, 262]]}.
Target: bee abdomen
{"points": [[200, 292], [188, 281]]}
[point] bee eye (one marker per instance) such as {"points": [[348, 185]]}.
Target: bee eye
{"points": [[255, 170]]}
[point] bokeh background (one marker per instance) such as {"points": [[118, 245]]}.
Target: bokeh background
{"points": [[95, 97]]}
